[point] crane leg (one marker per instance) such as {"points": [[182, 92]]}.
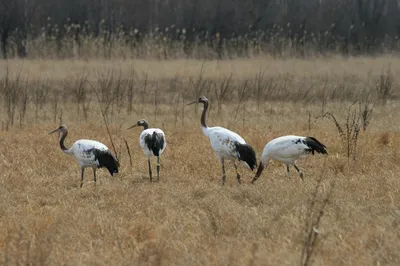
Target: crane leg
{"points": [[82, 171], [223, 171], [288, 170], [151, 177], [158, 168], [94, 175], [237, 172], [300, 172]]}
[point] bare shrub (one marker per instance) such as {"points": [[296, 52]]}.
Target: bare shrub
{"points": [[111, 90], [40, 96], [222, 91], [81, 94], [199, 86], [243, 95], [144, 93], [23, 102], [385, 86], [131, 86], [104, 116], [357, 117], [12, 92]]}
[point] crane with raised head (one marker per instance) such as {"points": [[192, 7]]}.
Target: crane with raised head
{"points": [[88, 154], [227, 144], [153, 142]]}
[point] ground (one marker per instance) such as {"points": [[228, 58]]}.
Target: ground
{"points": [[188, 217]]}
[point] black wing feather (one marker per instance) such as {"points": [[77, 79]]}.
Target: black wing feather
{"points": [[106, 159], [246, 154], [315, 145], [155, 142]]}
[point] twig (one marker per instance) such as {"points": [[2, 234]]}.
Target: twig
{"points": [[129, 152], [313, 220], [104, 119]]}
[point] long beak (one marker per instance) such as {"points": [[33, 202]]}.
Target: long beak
{"points": [[259, 171], [54, 131], [132, 126], [195, 101]]}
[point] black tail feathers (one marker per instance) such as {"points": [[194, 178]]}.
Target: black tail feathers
{"points": [[247, 154], [315, 145], [155, 142], [106, 159]]}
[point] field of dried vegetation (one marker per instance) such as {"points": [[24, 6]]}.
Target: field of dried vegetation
{"points": [[346, 212]]}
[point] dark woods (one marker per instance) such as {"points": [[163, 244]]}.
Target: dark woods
{"points": [[197, 28]]}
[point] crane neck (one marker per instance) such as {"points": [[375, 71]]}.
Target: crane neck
{"points": [[62, 138], [203, 115], [145, 125]]}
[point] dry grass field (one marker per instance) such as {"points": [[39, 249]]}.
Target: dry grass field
{"points": [[346, 212]]}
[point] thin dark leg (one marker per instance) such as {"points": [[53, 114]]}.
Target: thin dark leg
{"points": [[288, 170], [223, 171], [94, 175], [300, 172], [237, 172], [158, 168], [151, 177], [82, 171]]}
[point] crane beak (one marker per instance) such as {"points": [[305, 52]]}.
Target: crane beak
{"points": [[195, 101], [54, 131], [132, 126]]}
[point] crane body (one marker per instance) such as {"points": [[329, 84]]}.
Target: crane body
{"points": [[153, 143], [88, 154], [288, 149], [227, 144]]}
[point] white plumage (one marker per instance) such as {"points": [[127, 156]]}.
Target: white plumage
{"points": [[227, 144], [88, 154], [153, 142], [288, 149], [147, 133], [83, 149], [223, 143]]}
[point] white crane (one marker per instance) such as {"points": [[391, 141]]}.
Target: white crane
{"points": [[288, 149], [227, 144], [152, 141], [88, 153]]}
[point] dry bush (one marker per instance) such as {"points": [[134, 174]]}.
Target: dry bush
{"points": [[356, 119], [385, 86]]}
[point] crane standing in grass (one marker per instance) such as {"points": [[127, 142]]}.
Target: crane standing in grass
{"points": [[288, 149], [227, 144], [88, 153], [152, 141]]}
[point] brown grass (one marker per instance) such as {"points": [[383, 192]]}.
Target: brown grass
{"points": [[188, 218]]}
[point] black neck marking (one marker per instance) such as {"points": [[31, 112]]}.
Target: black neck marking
{"points": [[203, 115], [62, 138], [145, 125]]}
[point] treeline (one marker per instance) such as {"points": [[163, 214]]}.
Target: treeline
{"points": [[197, 28]]}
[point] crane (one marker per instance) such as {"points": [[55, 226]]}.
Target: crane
{"points": [[288, 149], [88, 153], [152, 141], [227, 144]]}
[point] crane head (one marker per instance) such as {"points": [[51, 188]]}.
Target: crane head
{"points": [[61, 129], [141, 122], [201, 99]]}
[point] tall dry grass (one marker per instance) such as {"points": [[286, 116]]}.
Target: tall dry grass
{"points": [[346, 212], [85, 41]]}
